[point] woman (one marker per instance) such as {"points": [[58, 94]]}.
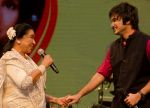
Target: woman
{"points": [[24, 82]]}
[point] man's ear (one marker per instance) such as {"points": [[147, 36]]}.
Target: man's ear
{"points": [[128, 22]]}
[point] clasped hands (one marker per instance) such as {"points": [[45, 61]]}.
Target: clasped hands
{"points": [[68, 100]]}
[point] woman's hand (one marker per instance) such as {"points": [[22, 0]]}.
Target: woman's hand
{"points": [[47, 60], [60, 101]]}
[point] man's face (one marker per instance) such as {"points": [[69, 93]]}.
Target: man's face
{"points": [[117, 25]]}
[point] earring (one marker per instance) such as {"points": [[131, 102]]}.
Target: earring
{"points": [[18, 42]]}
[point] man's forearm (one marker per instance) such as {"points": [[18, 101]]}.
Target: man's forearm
{"points": [[146, 89], [93, 83]]}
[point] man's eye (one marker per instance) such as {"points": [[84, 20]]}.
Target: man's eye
{"points": [[114, 19]]}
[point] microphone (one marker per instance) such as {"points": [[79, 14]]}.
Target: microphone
{"points": [[53, 66]]}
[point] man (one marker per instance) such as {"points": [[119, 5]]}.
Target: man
{"points": [[128, 59]]}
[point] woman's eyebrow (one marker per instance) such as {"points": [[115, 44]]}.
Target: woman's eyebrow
{"points": [[15, 2]]}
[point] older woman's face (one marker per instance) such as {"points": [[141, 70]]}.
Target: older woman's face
{"points": [[27, 42], [9, 13]]}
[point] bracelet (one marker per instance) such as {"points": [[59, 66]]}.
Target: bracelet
{"points": [[42, 69], [142, 95]]}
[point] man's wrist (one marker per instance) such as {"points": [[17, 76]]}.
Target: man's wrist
{"points": [[142, 95], [79, 95]]}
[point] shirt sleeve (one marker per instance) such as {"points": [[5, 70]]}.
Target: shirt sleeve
{"points": [[19, 76], [148, 50], [105, 68]]}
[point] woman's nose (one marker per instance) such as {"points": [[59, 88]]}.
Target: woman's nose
{"points": [[34, 42]]}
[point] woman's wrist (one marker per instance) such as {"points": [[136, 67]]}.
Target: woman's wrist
{"points": [[42, 69], [51, 99], [55, 100]]}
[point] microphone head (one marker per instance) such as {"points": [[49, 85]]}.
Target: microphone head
{"points": [[40, 52]]}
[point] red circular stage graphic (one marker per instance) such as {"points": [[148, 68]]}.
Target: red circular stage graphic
{"points": [[46, 27]]}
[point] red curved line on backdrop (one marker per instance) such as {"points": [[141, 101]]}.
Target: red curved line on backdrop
{"points": [[43, 21], [51, 26], [50, 29], [41, 27]]}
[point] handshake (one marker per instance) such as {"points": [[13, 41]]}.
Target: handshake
{"points": [[65, 101]]}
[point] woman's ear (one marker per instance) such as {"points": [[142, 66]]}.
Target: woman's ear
{"points": [[18, 41]]}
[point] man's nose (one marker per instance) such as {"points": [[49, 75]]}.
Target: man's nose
{"points": [[112, 25]]}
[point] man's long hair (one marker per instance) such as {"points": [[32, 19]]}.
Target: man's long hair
{"points": [[127, 12]]}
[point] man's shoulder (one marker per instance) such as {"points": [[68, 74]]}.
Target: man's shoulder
{"points": [[144, 34]]}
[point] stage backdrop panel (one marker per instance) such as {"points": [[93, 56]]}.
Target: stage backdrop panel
{"points": [[81, 38]]}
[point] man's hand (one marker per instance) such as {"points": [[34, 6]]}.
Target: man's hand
{"points": [[132, 99], [73, 99]]}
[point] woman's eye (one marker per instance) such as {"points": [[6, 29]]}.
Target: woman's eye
{"points": [[9, 4]]}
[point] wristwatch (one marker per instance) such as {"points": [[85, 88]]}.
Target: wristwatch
{"points": [[142, 95]]}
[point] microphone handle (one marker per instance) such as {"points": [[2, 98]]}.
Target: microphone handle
{"points": [[54, 68]]}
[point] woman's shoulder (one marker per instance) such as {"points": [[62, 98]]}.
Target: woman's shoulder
{"points": [[10, 58], [9, 55]]}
